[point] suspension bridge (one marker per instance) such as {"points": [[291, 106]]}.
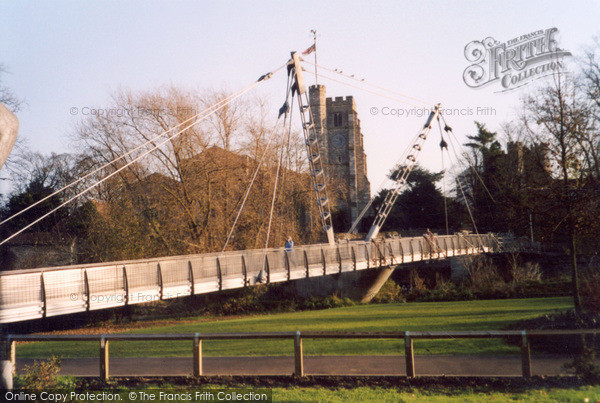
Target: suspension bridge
{"points": [[47, 292]]}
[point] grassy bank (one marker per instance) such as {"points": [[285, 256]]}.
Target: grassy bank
{"points": [[425, 316], [367, 394]]}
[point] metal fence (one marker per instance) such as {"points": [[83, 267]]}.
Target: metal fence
{"points": [[39, 293], [10, 343]]}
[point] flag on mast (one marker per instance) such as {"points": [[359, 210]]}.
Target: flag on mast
{"points": [[308, 51]]}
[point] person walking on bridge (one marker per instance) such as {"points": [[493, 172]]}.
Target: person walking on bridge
{"points": [[434, 247], [289, 244]]}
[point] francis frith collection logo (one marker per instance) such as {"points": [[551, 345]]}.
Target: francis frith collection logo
{"points": [[514, 63]]}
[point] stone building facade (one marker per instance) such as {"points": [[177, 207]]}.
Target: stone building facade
{"points": [[342, 152], [530, 163]]}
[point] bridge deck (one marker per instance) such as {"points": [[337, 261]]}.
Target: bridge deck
{"points": [[37, 293]]}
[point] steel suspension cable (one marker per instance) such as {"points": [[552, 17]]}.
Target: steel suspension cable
{"points": [[105, 165], [89, 188], [442, 145], [367, 90], [109, 163], [461, 186], [279, 161], [286, 166], [472, 167], [362, 81], [444, 194], [382, 184], [365, 209], [249, 188]]}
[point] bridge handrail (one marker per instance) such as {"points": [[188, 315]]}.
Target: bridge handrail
{"points": [[441, 334], [44, 292]]}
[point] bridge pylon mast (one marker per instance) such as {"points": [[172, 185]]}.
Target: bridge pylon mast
{"points": [[402, 176], [312, 148]]}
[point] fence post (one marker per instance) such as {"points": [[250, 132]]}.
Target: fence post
{"points": [[197, 352], [409, 356], [11, 350], [7, 363], [525, 355], [104, 367], [298, 359], [6, 375]]}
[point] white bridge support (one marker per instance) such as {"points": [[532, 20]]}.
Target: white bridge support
{"points": [[311, 139], [402, 176], [45, 292]]}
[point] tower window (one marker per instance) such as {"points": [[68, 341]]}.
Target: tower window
{"points": [[337, 119]]}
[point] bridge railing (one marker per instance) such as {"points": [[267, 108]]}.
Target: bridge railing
{"points": [[196, 339], [45, 292]]}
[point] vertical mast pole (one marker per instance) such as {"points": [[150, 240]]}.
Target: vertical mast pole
{"points": [[314, 32], [311, 139]]}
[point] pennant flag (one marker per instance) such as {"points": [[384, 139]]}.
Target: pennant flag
{"points": [[284, 109], [310, 50]]}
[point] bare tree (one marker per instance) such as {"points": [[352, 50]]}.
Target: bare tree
{"points": [[7, 97], [557, 118], [591, 85], [158, 124], [184, 195], [227, 121]]}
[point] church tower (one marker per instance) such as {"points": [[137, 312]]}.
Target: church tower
{"points": [[342, 152]]}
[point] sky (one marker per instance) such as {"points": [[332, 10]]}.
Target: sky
{"points": [[66, 56]]}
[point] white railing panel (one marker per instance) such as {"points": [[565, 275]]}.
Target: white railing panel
{"points": [[106, 287], [231, 264], [362, 261], [205, 274], [297, 263], [20, 289], [66, 290], [332, 265], [346, 256]]}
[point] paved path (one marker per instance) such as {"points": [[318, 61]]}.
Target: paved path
{"points": [[317, 365]]}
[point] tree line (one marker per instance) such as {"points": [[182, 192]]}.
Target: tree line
{"points": [[539, 178], [181, 198]]}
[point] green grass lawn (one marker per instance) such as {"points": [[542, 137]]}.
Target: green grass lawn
{"points": [[366, 394], [425, 316]]}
